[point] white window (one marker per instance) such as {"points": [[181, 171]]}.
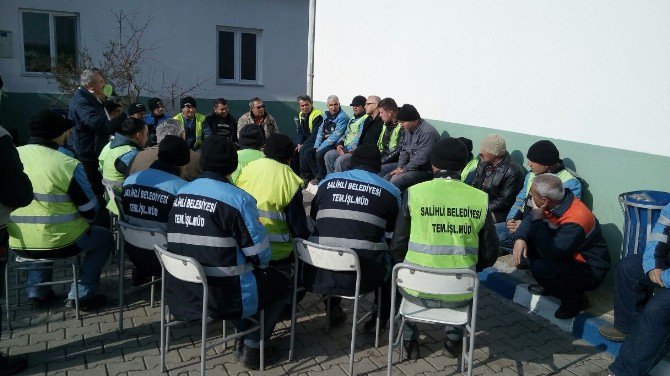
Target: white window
{"points": [[238, 56], [48, 37]]}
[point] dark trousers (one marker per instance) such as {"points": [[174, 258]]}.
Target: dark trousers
{"points": [[94, 176], [566, 280], [321, 162], [408, 179], [145, 261], [632, 291], [649, 339], [385, 303], [308, 168]]}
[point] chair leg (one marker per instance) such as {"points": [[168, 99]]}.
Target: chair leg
{"points": [[353, 336], [9, 321], [225, 343], [464, 348], [328, 315], [152, 298], [75, 278], [262, 342], [18, 292], [293, 323], [163, 323], [120, 264], [379, 316], [203, 345]]}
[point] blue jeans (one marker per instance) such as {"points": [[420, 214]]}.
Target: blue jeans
{"points": [[342, 163], [408, 179], [505, 238], [386, 168], [95, 244], [329, 159], [648, 339], [411, 332], [320, 163]]}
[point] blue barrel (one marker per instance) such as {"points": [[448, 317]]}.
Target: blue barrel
{"points": [[641, 210]]}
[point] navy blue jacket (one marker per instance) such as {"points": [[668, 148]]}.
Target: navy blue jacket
{"points": [[91, 129]]}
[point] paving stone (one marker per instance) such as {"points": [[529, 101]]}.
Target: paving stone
{"points": [[136, 364]]}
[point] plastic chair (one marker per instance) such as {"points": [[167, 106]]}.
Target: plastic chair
{"points": [[189, 270], [334, 259], [142, 238], [111, 188], [26, 264], [439, 282]]}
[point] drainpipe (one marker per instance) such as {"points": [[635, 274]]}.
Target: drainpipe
{"points": [[310, 48]]}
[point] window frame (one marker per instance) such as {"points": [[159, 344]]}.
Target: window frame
{"points": [[237, 56], [52, 37]]}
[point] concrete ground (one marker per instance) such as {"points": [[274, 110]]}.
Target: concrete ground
{"points": [[510, 341]]}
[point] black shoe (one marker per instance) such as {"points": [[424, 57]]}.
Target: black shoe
{"points": [[412, 346], [286, 313], [10, 365], [43, 302], [89, 304], [337, 316], [453, 349], [570, 308], [536, 289], [139, 279], [237, 351], [251, 358]]}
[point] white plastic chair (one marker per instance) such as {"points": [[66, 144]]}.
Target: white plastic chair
{"points": [[25, 264], [142, 238], [439, 282], [189, 270], [334, 259]]}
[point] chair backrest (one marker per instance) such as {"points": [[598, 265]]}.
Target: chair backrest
{"points": [[109, 189], [142, 237], [436, 281], [325, 257], [181, 267]]}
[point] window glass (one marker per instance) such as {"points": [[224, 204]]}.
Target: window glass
{"points": [[227, 55], [36, 42], [65, 29], [248, 58]]}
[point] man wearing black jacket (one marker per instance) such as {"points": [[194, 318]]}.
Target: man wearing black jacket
{"points": [[15, 195], [372, 127], [221, 121]]}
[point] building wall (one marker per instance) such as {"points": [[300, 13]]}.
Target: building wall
{"points": [[591, 76], [183, 36]]}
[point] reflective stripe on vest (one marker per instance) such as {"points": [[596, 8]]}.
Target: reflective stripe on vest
{"points": [[273, 185], [51, 220], [111, 176], [657, 236], [312, 115], [349, 243], [352, 215], [393, 140], [227, 271], [206, 241], [353, 128], [446, 218]]}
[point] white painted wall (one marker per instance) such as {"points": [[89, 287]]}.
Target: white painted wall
{"points": [[186, 32], [595, 71]]}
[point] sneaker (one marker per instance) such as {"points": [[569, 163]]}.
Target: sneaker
{"points": [[89, 304], [611, 333], [11, 365], [337, 316], [570, 308], [536, 289], [42, 302], [453, 349], [251, 358]]}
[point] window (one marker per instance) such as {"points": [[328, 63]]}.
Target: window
{"points": [[48, 37], [239, 56]]}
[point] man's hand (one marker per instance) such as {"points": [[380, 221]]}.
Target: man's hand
{"points": [[512, 225], [655, 276], [297, 148], [397, 171], [537, 212], [340, 149], [520, 250]]}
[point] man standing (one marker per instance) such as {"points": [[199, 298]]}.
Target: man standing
{"points": [[498, 175], [251, 143], [278, 193], [258, 115], [337, 160], [331, 129], [155, 116], [562, 240], [222, 232], [16, 191], [90, 133], [221, 121], [56, 223], [413, 162], [642, 305], [543, 157], [154, 190], [192, 122], [391, 137], [361, 222], [116, 158], [424, 234], [145, 158], [309, 122], [373, 124]]}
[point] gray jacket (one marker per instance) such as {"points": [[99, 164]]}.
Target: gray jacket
{"points": [[415, 150]]}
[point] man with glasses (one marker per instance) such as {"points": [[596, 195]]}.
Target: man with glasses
{"points": [[258, 115], [372, 127]]}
